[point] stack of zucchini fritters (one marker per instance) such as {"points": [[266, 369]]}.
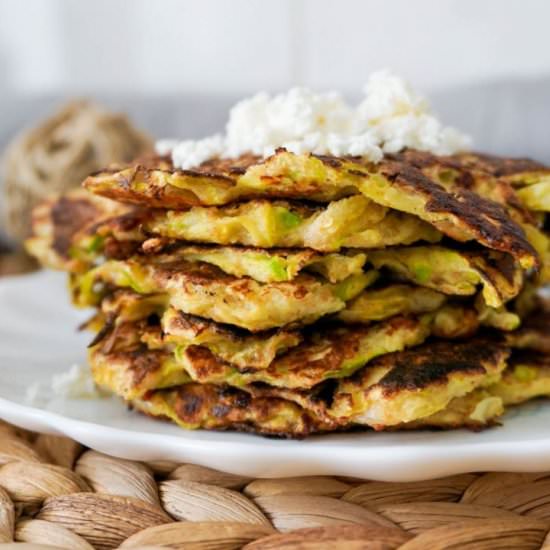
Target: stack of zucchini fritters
{"points": [[304, 294]]}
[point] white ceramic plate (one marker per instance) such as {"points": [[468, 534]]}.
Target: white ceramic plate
{"points": [[38, 339]]}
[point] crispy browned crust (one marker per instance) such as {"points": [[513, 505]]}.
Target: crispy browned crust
{"points": [[226, 407], [144, 363], [537, 358], [208, 406], [468, 172], [114, 337], [487, 221], [203, 289], [328, 350], [138, 362], [493, 265], [69, 215], [59, 222], [226, 167], [215, 167], [118, 333], [432, 363], [263, 409], [153, 195], [125, 223], [424, 368], [467, 162], [192, 326], [157, 195], [198, 273], [180, 324], [224, 172], [325, 352], [501, 166]]}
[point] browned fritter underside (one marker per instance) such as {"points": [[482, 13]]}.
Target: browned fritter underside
{"points": [[221, 407], [206, 406], [294, 413]]}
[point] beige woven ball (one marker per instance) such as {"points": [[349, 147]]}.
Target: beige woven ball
{"points": [[58, 154]]}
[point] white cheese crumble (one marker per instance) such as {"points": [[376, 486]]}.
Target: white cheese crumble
{"points": [[75, 383], [390, 117]]}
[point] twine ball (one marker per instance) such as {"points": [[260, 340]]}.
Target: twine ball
{"points": [[58, 154]]}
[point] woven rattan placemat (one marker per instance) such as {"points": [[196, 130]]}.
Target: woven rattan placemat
{"points": [[55, 492]]}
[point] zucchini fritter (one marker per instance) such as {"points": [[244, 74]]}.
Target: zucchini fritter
{"points": [[476, 410], [494, 178], [295, 414], [413, 384], [232, 345], [405, 386], [531, 178], [267, 265], [398, 299], [462, 171], [131, 374], [353, 222], [304, 294], [333, 352], [534, 333], [462, 215], [64, 230], [209, 353], [211, 407], [205, 290], [454, 271], [527, 377]]}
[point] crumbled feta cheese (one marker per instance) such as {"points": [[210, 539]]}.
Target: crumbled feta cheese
{"points": [[390, 118], [400, 118], [191, 153], [299, 120], [75, 383]]}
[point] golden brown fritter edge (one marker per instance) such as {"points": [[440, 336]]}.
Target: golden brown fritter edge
{"points": [[284, 413], [60, 222], [471, 172], [461, 214]]}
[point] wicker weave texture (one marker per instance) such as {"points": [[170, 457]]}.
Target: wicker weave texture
{"points": [[56, 493], [58, 154]]}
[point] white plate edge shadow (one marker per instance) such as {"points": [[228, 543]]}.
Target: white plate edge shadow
{"points": [[279, 458]]}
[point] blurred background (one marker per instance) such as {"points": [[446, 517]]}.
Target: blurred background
{"points": [[175, 66]]}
